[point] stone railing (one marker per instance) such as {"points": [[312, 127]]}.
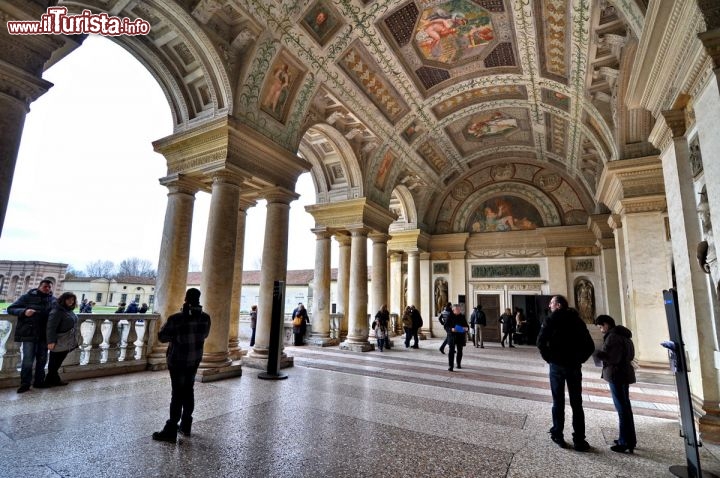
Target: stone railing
{"points": [[109, 344]]}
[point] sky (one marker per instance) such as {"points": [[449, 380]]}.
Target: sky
{"points": [[86, 180]]}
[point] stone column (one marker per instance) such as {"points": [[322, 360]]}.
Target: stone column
{"points": [[557, 271], [22, 58], [173, 262], [234, 349], [320, 335], [217, 272], [379, 271], [343, 283], [694, 298], [414, 279], [358, 326], [427, 296], [396, 286], [274, 268], [648, 274]]}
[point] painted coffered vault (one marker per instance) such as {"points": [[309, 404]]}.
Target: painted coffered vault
{"points": [[412, 101]]}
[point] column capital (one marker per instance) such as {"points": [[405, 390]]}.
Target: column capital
{"points": [[321, 233], [395, 256], [379, 237], [342, 238], [614, 221], [359, 231], [279, 195], [226, 176], [246, 203], [655, 203], [178, 183], [676, 120], [413, 253]]}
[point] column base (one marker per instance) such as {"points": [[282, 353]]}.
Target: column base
{"points": [[156, 364], [215, 360], [234, 369], [261, 363], [322, 341], [236, 353], [709, 424], [357, 346]]}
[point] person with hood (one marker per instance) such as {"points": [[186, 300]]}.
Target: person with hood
{"points": [[32, 310], [617, 354], [565, 344], [186, 332], [132, 308]]}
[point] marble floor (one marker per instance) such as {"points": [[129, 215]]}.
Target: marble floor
{"points": [[398, 413]]}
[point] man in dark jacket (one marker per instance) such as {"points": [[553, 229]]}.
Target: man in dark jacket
{"points": [[456, 327], [186, 332], [565, 343], [417, 322], [443, 318], [32, 310], [477, 322]]}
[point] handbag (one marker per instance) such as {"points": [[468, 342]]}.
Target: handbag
{"points": [[66, 341], [297, 321]]}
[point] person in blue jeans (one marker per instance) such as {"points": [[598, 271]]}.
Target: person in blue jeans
{"points": [[565, 343], [32, 310], [617, 354]]}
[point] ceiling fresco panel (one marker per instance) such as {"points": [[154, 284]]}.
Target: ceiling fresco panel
{"points": [[365, 72], [557, 134], [489, 129], [281, 86], [433, 156], [478, 95], [440, 43], [552, 20], [321, 21], [556, 99]]}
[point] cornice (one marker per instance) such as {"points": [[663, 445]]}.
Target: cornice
{"points": [[655, 203], [670, 29], [410, 240], [630, 178], [598, 225], [354, 213]]}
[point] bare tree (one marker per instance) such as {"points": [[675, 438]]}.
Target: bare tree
{"points": [[73, 273], [100, 268], [136, 267]]}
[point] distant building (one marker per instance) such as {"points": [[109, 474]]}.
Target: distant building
{"points": [[17, 277], [110, 292]]}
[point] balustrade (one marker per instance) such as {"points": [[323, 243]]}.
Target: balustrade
{"points": [[106, 342]]}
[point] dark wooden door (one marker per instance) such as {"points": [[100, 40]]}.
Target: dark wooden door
{"points": [[491, 307]]}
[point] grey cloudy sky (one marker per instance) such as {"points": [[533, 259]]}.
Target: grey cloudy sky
{"points": [[86, 180]]}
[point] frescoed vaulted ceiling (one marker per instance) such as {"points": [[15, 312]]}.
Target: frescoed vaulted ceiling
{"points": [[423, 95]]}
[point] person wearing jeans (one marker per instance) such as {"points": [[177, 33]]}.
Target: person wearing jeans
{"points": [[32, 310], [565, 344], [617, 354]]}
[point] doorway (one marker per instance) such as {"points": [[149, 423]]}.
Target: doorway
{"points": [[491, 306], [536, 309]]}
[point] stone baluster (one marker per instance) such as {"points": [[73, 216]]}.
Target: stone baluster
{"points": [[6, 329], [140, 342], [129, 340], [106, 328]]}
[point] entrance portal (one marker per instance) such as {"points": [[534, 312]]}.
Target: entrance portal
{"points": [[491, 307]]}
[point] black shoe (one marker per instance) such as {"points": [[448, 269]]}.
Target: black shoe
{"points": [[582, 445], [482, 346], [459, 366], [166, 436], [450, 369], [415, 347], [43, 385], [512, 346], [503, 344], [622, 449], [442, 351], [23, 388], [560, 441]]}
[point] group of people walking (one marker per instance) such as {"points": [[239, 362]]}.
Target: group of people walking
{"points": [[46, 324]]}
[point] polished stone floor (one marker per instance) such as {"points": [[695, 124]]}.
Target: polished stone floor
{"points": [[398, 413]]}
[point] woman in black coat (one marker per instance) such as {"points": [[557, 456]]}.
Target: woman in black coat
{"points": [[62, 319], [617, 354]]}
